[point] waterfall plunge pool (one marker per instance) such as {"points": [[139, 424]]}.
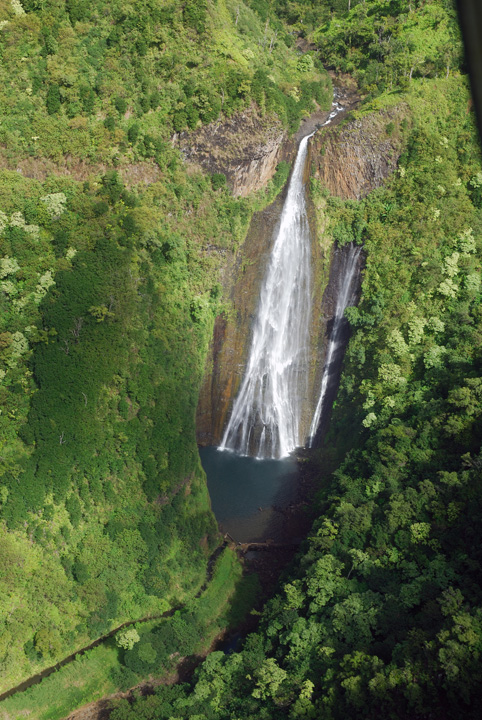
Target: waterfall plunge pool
{"points": [[247, 494]]}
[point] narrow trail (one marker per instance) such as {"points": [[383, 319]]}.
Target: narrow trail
{"points": [[36, 679]]}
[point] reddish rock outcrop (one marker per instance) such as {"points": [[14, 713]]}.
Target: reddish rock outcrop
{"points": [[354, 158]]}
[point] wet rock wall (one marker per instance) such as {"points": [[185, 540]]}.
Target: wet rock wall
{"points": [[350, 158]]}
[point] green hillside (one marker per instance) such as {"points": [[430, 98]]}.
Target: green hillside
{"points": [[111, 249], [381, 614], [108, 297]]}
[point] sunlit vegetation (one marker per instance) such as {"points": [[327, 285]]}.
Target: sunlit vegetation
{"points": [[387, 44], [109, 274], [108, 297], [110, 81], [107, 309], [381, 614], [146, 650]]}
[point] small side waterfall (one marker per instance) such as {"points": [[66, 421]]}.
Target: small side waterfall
{"points": [[266, 414], [346, 296]]}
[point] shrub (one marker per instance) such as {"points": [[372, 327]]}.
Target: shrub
{"points": [[133, 133], [120, 105], [179, 120], [218, 180], [194, 15], [127, 638]]}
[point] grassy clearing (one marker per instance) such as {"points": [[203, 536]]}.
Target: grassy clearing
{"points": [[102, 671]]}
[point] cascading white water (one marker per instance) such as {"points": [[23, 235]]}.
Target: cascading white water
{"points": [[265, 420], [346, 296]]}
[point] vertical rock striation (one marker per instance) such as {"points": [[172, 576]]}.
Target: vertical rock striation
{"points": [[246, 148], [350, 158], [354, 158]]}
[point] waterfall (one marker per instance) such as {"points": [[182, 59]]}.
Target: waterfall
{"points": [[347, 289], [265, 420]]}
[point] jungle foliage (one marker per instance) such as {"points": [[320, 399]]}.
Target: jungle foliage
{"points": [[381, 615], [108, 298], [109, 81], [109, 259], [148, 647]]}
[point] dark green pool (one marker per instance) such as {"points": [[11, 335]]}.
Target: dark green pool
{"points": [[245, 493]]}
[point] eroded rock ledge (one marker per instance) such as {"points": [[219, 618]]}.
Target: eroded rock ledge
{"points": [[353, 159], [245, 147]]}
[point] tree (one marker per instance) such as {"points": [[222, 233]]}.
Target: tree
{"points": [[53, 99], [126, 639]]}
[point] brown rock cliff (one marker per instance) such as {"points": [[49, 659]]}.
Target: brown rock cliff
{"points": [[246, 148], [357, 156]]}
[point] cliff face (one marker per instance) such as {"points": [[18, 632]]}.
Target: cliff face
{"points": [[248, 156], [246, 148], [357, 156], [351, 158], [232, 332]]}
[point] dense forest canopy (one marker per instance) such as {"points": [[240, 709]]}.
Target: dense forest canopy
{"points": [[108, 297], [382, 613]]}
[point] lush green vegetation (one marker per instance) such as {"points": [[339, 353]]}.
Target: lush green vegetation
{"points": [[109, 292], [387, 44], [110, 80], [153, 647], [381, 615], [109, 289], [382, 43]]}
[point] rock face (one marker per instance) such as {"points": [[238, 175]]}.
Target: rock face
{"points": [[247, 152], [325, 328], [350, 158], [246, 148], [357, 156], [232, 333]]}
